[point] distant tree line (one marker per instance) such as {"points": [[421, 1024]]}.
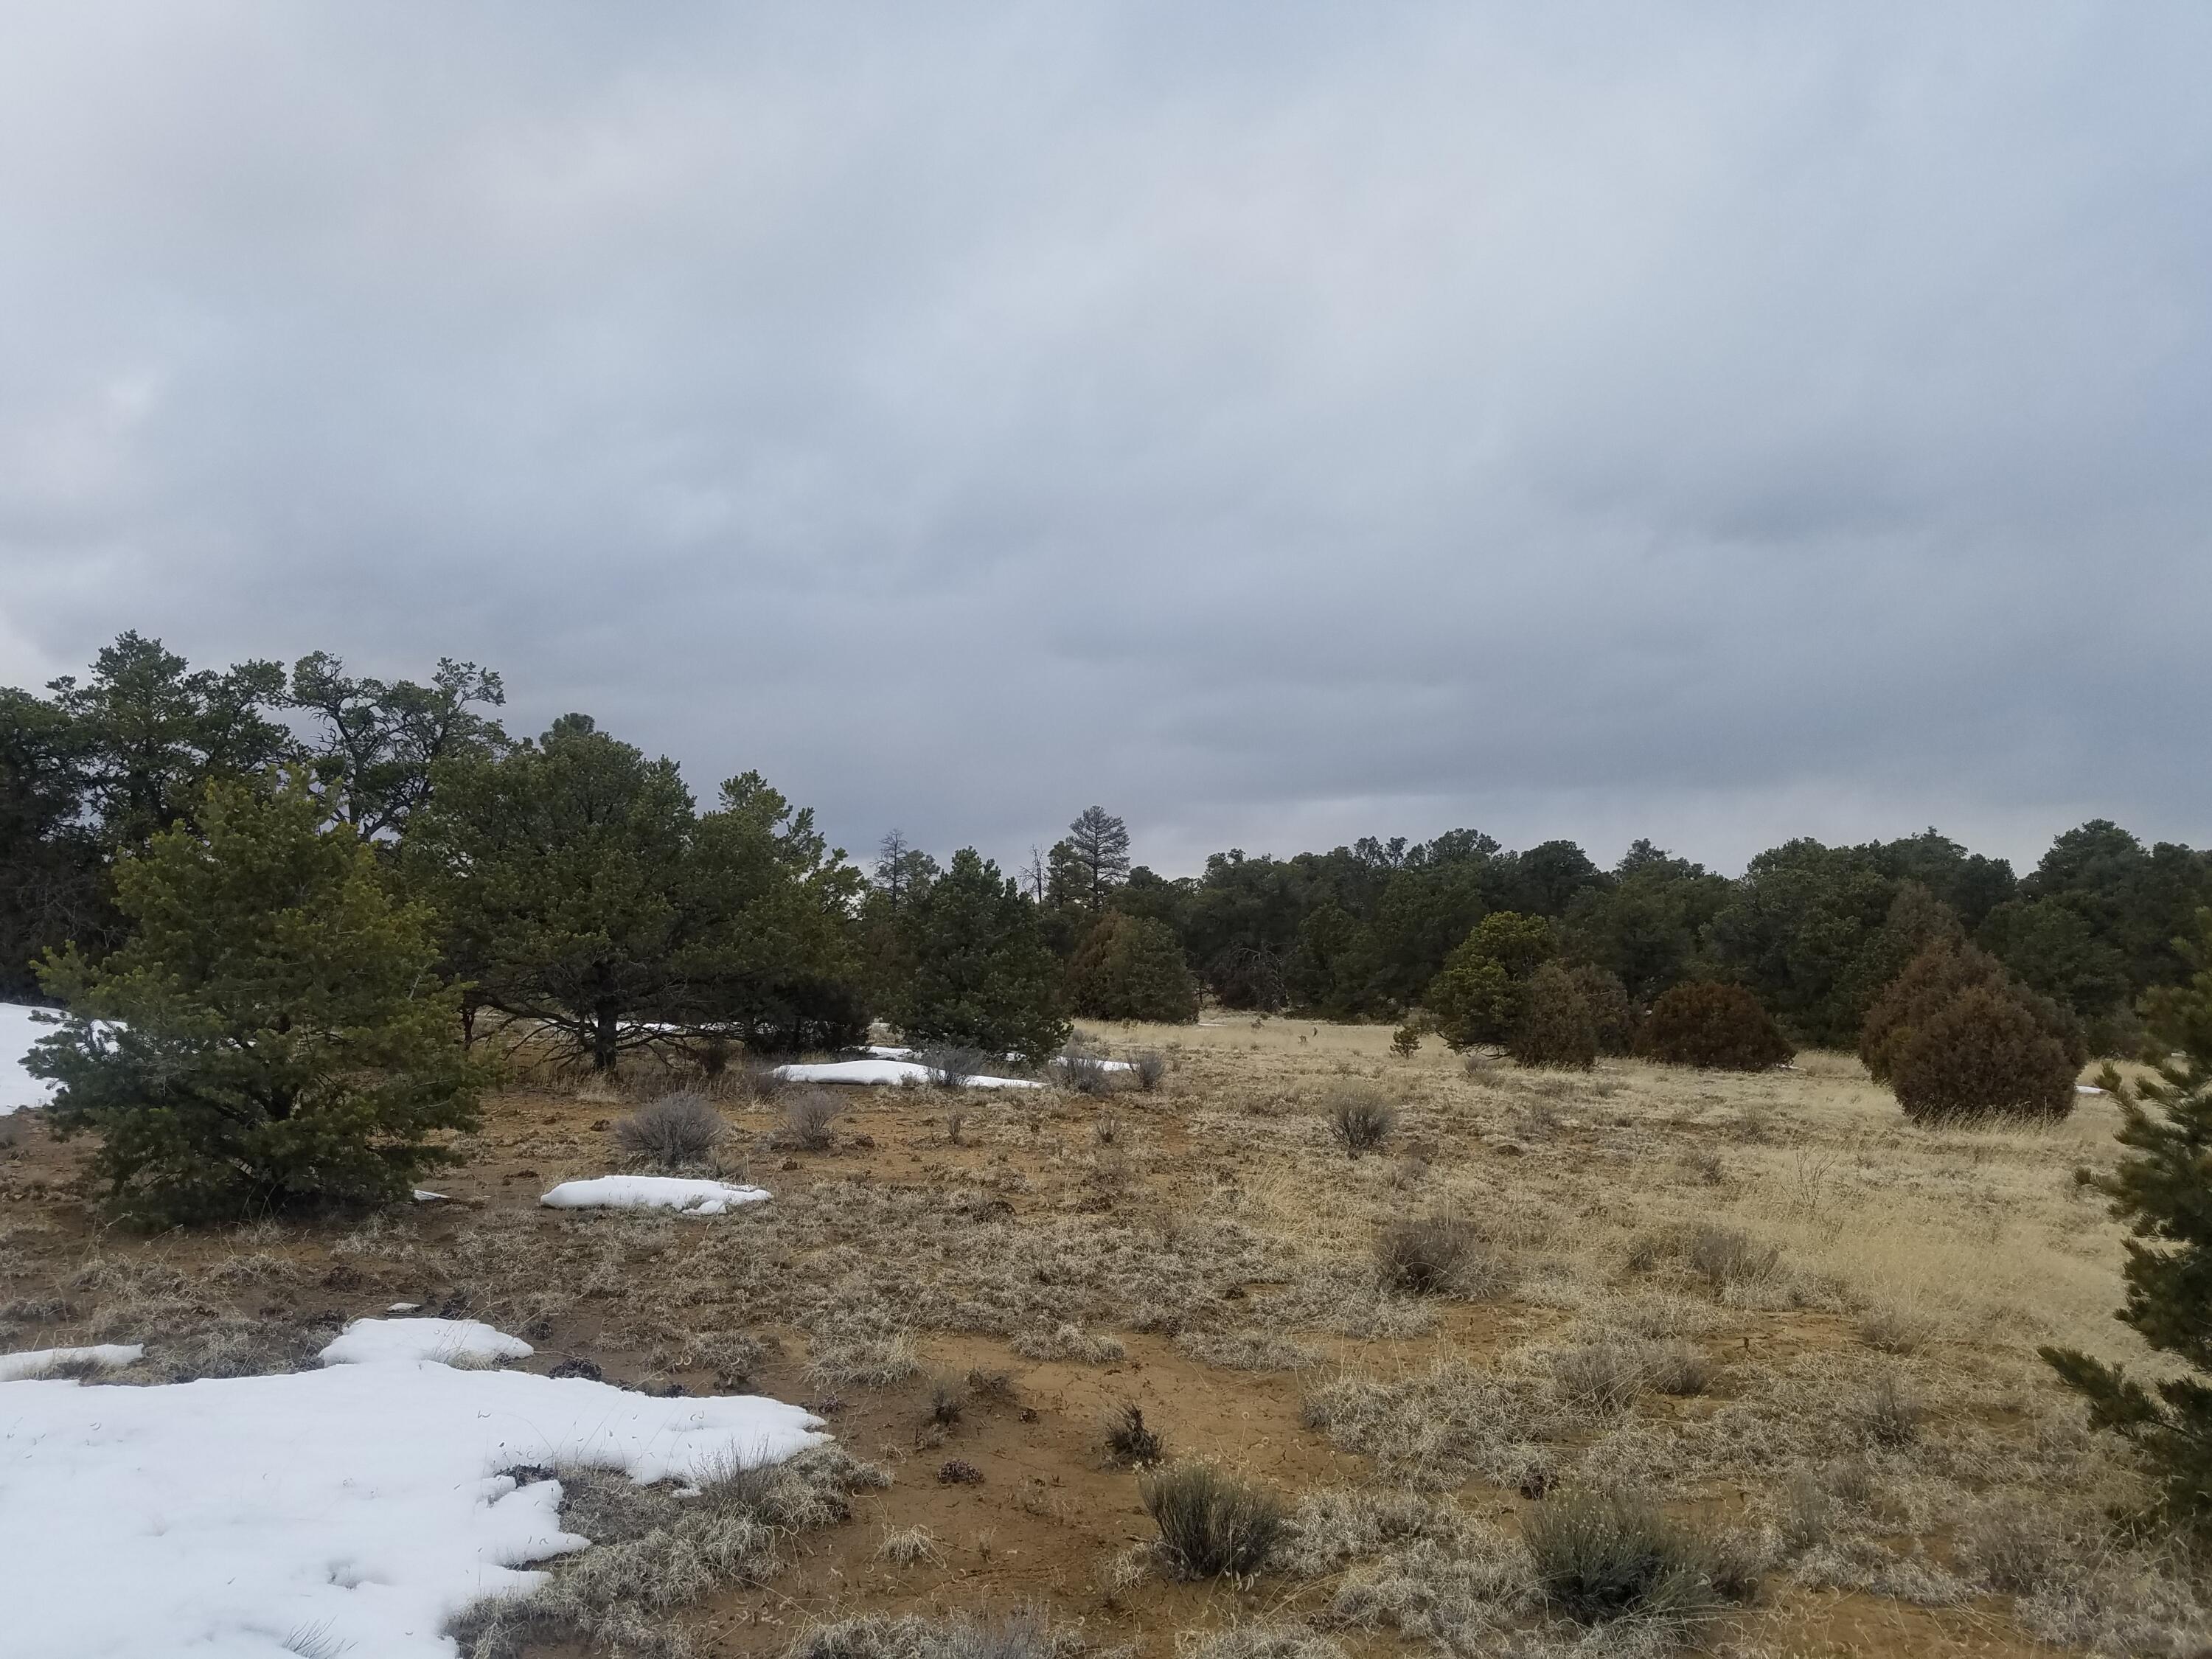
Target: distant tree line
{"points": [[577, 883]]}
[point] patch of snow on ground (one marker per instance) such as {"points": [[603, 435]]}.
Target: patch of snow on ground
{"points": [[652, 1192], [424, 1195], [361, 1505], [2087, 1089], [449, 1341], [18, 1031], [37, 1362], [888, 1072]]}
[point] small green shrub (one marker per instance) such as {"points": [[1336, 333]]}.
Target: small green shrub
{"points": [[1405, 1041], [1557, 1027], [1711, 1025], [1212, 1524]]}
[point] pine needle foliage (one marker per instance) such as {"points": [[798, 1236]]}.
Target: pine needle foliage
{"points": [[2163, 1190], [274, 1033]]}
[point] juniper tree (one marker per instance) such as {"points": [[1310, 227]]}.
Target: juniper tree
{"points": [[272, 1031], [1132, 968], [1482, 991], [2164, 1192]]}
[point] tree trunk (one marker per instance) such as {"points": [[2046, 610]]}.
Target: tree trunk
{"points": [[603, 1042]]}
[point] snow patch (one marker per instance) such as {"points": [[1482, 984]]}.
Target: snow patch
{"points": [[18, 1032], [893, 1072], [2087, 1089], [364, 1504], [37, 1362], [652, 1192], [449, 1341]]}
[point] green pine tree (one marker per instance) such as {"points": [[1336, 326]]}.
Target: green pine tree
{"points": [[1482, 990], [1132, 968], [983, 977], [274, 1030], [2164, 1192]]}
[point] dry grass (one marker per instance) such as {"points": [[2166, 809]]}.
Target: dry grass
{"points": [[1781, 1312]]}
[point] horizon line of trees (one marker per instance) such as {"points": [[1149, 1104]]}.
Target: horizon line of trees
{"points": [[578, 884]]}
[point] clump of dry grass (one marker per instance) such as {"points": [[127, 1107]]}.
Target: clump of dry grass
{"points": [[1599, 1556], [1020, 1635], [905, 1547], [1246, 1350], [1068, 1341], [1439, 1256], [1212, 1524], [654, 1550]]}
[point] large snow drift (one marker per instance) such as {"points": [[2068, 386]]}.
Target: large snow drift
{"points": [[357, 1509], [652, 1192], [18, 1088], [888, 1070]]}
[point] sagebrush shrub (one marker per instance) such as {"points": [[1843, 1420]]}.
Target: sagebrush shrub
{"points": [[1212, 1523], [1557, 1027], [1981, 1053], [1708, 1023], [1083, 1071], [808, 1115], [1148, 1066], [1427, 1257], [672, 1130], [950, 1065], [1360, 1118]]}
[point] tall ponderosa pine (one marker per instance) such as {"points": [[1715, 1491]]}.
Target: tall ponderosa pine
{"points": [[1092, 861], [152, 733], [273, 1031], [983, 977], [53, 867], [2164, 1192], [376, 742]]}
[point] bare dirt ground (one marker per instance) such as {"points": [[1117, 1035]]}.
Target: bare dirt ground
{"points": [[1805, 1328]]}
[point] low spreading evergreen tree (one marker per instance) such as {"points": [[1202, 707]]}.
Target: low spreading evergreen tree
{"points": [[1705, 1023], [1984, 1052], [983, 977], [1944, 969], [1131, 968], [2163, 1191], [1558, 1026], [1955, 1035], [273, 1031], [1612, 1016], [1481, 993]]}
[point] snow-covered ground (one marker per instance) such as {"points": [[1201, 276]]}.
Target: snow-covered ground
{"points": [[18, 1031], [880, 1051], [888, 1072], [625, 1192], [448, 1342], [37, 1362], [352, 1509]]}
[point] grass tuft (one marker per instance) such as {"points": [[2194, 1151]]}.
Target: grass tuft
{"points": [[1212, 1524]]}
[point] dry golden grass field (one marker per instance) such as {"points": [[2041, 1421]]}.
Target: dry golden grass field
{"points": [[1763, 1305]]}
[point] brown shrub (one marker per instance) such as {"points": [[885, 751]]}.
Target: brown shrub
{"points": [[1557, 1027], [1939, 974], [1707, 1024], [1983, 1052]]}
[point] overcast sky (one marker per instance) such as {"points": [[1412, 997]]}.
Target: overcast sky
{"points": [[1277, 422]]}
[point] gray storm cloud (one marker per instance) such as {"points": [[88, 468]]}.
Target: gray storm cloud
{"points": [[1277, 422]]}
